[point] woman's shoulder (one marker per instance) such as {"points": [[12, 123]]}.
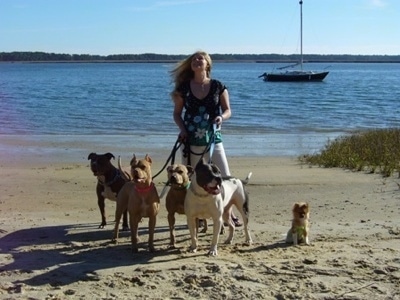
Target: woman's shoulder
{"points": [[184, 86], [216, 81], [218, 84]]}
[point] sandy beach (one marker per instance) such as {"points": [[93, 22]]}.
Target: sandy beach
{"points": [[52, 248]]}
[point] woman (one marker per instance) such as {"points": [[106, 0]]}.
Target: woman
{"points": [[206, 102]]}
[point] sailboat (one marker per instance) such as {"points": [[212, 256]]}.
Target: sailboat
{"points": [[296, 75]]}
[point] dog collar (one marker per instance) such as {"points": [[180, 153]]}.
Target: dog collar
{"points": [[196, 193], [117, 175], [185, 187], [144, 190], [300, 230]]}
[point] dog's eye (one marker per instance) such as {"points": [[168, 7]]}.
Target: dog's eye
{"points": [[215, 169], [180, 172]]}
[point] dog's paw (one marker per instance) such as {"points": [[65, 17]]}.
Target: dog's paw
{"points": [[114, 241], [102, 225], [213, 250], [248, 242], [193, 249], [171, 246], [228, 242]]}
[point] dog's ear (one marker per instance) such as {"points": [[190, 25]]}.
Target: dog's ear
{"points": [[109, 155], [296, 206], [215, 169], [133, 160], [148, 158], [169, 168], [199, 163], [91, 155], [190, 170]]}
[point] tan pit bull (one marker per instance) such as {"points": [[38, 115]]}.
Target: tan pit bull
{"points": [[141, 198], [110, 180], [179, 180]]}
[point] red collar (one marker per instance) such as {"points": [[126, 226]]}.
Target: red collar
{"points": [[145, 189]]}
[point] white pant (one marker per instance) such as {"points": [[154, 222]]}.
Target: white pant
{"points": [[218, 157]]}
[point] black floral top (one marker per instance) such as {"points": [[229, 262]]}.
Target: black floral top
{"points": [[200, 113]]}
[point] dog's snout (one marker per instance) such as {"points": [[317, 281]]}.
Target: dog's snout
{"points": [[94, 166], [174, 178]]}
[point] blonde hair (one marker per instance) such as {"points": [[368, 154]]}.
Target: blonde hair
{"points": [[183, 70]]}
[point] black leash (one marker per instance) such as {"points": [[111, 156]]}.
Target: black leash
{"points": [[210, 147], [171, 157], [187, 151]]}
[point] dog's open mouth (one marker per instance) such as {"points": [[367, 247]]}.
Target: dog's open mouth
{"points": [[212, 189], [139, 179]]}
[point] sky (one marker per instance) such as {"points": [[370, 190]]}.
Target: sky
{"points": [[105, 27]]}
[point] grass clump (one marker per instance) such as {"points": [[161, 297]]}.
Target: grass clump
{"points": [[374, 151]]}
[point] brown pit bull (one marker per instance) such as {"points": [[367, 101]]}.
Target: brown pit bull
{"points": [[109, 182], [141, 198]]}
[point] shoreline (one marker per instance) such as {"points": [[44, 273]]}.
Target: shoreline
{"points": [[75, 148]]}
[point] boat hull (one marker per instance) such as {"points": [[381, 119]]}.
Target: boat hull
{"points": [[296, 76]]}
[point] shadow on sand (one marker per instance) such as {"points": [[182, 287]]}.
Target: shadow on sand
{"points": [[61, 255]]}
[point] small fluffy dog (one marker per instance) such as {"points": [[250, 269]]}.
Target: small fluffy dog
{"points": [[300, 224]]}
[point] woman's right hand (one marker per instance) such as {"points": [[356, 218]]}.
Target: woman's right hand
{"points": [[182, 135]]}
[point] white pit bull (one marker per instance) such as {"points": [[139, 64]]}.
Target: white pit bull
{"points": [[211, 196]]}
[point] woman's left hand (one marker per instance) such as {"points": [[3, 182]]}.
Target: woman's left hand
{"points": [[218, 120]]}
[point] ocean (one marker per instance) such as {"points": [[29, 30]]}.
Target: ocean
{"points": [[126, 108]]}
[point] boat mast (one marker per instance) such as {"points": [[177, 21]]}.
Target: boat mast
{"points": [[301, 34]]}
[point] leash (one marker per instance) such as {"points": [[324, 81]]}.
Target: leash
{"points": [[210, 146], [171, 157], [212, 141]]}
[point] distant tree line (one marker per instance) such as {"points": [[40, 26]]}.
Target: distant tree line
{"points": [[153, 57]]}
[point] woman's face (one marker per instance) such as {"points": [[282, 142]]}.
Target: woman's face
{"points": [[199, 62]]}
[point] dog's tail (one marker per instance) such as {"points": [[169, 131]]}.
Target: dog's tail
{"points": [[247, 179], [246, 204], [125, 175]]}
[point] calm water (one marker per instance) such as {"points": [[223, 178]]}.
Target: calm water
{"points": [[126, 102]]}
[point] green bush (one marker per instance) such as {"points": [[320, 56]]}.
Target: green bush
{"points": [[375, 151]]}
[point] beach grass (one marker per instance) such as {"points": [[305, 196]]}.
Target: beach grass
{"points": [[374, 151]]}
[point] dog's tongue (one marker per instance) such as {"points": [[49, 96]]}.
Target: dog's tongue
{"points": [[212, 190], [140, 180]]}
